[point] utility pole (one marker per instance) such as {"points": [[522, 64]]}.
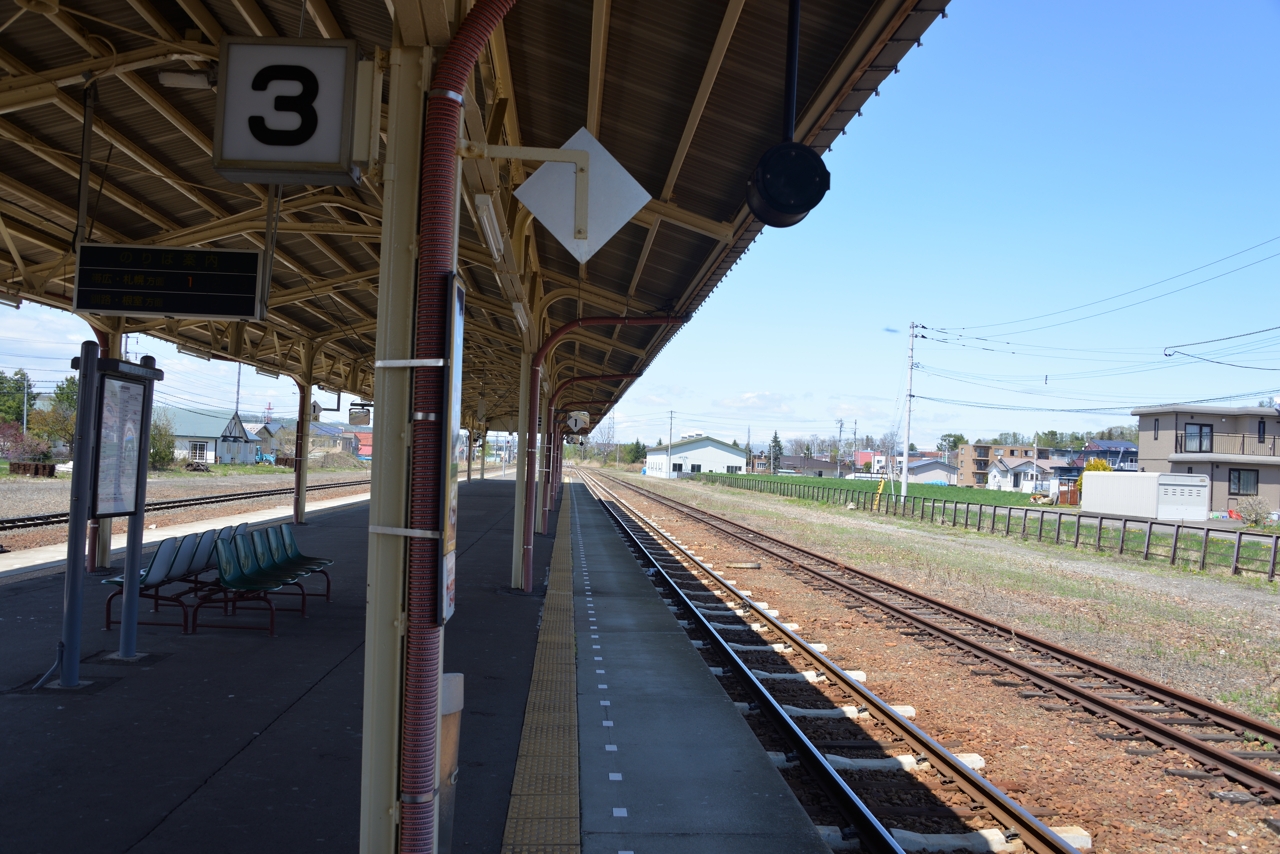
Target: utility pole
{"points": [[238, 366], [671, 419], [839, 442], [906, 440], [855, 448], [751, 465], [24, 407]]}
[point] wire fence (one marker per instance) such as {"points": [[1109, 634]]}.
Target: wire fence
{"points": [[1188, 546]]}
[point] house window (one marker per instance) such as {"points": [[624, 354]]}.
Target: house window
{"points": [[1262, 431], [695, 468], [1243, 482], [677, 466], [732, 469], [198, 451], [1199, 439], [1155, 432]]}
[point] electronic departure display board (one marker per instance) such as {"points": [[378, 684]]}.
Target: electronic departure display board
{"points": [[169, 281]]}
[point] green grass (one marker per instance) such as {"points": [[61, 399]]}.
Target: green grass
{"points": [[923, 490], [1051, 527]]}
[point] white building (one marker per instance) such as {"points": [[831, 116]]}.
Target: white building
{"points": [[1016, 475], [695, 454]]}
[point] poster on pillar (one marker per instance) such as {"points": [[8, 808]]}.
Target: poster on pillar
{"points": [[453, 443], [119, 447]]}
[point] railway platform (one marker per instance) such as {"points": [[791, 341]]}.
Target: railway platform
{"points": [[224, 740], [230, 740], [666, 762]]}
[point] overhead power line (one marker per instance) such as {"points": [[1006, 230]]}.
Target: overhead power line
{"points": [[1124, 293]]}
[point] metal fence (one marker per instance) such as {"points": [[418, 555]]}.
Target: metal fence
{"points": [[1195, 546]]}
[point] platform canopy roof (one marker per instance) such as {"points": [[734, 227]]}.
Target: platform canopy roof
{"points": [[686, 95]]}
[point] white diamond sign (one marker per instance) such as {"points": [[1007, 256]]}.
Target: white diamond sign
{"points": [[613, 197], [578, 420]]}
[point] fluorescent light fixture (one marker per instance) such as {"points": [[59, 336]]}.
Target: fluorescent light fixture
{"points": [[522, 318], [275, 375], [185, 80], [12, 300], [192, 351], [489, 225]]}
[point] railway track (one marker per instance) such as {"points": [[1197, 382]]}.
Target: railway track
{"points": [[825, 713], [1224, 742], [18, 523]]}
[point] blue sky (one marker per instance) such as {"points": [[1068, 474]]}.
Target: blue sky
{"points": [[1028, 159]]}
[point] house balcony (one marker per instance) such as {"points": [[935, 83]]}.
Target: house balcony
{"points": [[1225, 444]]}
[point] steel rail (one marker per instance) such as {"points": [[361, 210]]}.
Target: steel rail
{"points": [[1033, 833], [20, 522], [1236, 768]]}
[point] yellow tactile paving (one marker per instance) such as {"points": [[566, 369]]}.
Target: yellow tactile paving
{"points": [[543, 817]]}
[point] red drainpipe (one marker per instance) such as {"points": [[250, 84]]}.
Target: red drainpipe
{"points": [[559, 445], [535, 394], [439, 200]]}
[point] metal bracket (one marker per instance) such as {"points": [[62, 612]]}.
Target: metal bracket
{"points": [[580, 159], [411, 363], [404, 532]]}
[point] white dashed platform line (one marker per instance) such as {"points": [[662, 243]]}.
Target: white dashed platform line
{"points": [[619, 812], [611, 748], [614, 775]]}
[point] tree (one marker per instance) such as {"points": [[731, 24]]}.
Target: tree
{"points": [[775, 453], [161, 454], [633, 453], [58, 422], [911, 448], [866, 467], [735, 443], [12, 397], [888, 442], [951, 441]]}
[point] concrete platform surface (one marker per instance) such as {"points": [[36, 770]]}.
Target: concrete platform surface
{"points": [[234, 741], [668, 764]]}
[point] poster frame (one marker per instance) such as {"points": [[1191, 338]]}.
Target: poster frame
{"points": [[99, 426], [452, 437]]}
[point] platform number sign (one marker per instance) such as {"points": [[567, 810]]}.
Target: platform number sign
{"points": [[286, 110]]}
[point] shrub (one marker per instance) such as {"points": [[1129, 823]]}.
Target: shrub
{"points": [[161, 455], [1254, 510], [28, 449]]}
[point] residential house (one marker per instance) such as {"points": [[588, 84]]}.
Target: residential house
{"points": [[327, 439], [694, 455], [211, 436], [269, 433], [1017, 474], [1120, 455], [974, 461], [931, 470], [364, 446], [1236, 446]]}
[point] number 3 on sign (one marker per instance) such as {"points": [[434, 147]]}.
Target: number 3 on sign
{"points": [[286, 110], [301, 104]]}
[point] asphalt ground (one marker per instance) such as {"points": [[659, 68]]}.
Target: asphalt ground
{"points": [[227, 740]]}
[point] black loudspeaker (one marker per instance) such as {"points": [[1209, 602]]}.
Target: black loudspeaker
{"points": [[788, 182]]}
